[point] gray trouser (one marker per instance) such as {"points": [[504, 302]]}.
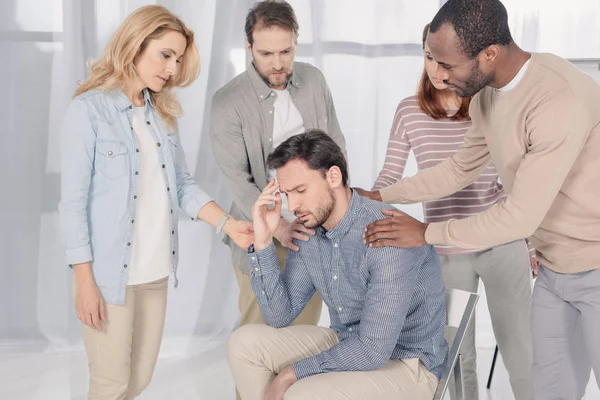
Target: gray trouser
{"points": [[506, 275], [565, 322]]}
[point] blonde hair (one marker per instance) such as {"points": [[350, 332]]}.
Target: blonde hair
{"points": [[116, 68]]}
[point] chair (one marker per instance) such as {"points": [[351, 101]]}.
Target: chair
{"points": [[460, 309]]}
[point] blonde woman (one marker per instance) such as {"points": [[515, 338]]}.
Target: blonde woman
{"points": [[123, 179]]}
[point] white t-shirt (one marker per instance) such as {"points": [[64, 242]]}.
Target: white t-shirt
{"points": [[151, 244], [515, 81], [287, 122]]}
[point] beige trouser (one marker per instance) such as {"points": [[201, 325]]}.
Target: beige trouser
{"points": [[250, 311], [249, 306], [122, 357], [257, 353]]}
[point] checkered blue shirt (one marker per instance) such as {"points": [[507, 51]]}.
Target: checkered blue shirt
{"points": [[384, 303]]}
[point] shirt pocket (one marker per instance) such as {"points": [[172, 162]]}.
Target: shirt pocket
{"points": [[111, 158]]}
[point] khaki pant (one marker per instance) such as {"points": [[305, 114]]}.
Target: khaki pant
{"points": [[250, 311], [249, 306], [256, 353], [122, 357]]}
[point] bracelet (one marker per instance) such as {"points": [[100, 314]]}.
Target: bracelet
{"points": [[222, 222]]}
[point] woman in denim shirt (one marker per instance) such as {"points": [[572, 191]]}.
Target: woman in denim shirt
{"points": [[124, 177]]}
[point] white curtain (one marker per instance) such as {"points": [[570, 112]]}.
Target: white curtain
{"points": [[369, 51]]}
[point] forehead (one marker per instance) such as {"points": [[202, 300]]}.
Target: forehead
{"points": [[172, 40], [294, 173], [445, 45], [272, 39]]}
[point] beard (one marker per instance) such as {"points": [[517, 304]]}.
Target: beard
{"points": [[475, 83], [323, 211], [267, 81]]}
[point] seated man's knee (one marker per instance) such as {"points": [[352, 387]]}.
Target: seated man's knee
{"points": [[244, 340]]}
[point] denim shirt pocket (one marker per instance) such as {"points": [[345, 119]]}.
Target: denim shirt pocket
{"points": [[111, 158]]}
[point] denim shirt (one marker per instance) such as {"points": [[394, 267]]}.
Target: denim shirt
{"points": [[99, 184]]}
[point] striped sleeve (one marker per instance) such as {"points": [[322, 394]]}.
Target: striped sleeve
{"points": [[280, 296], [396, 155]]}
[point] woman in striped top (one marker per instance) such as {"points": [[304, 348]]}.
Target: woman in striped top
{"points": [[432, 124]]}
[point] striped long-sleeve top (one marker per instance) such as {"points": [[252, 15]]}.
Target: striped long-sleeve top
{"points": [[384, 303], [432, 141]]}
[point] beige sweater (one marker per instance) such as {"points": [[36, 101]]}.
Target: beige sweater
{"points": [[544, 138]]}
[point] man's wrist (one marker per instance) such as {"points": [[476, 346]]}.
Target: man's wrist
{"points": [[278, 234], [262, 244], [289, 376]]}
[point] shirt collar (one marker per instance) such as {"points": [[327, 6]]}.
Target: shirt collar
{"points": [[263, 91], [340, 230], [122, 101]]}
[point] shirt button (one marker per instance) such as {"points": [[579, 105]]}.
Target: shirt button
{"points": [[125, 266], [136, 150], [172, 232], [168, 189], [272, 94], [335, 277], [147, 122], [256, 269], [158, 144], [132, 221], [137, 173], [263, 292], [172, 212], [253, 258], [335, 245], [339, 308], [261, 96], [110, 153], [131, 127], [270, 140], [349, 329], [270, 111], [163, 165], [129, 244], [173, 252], [135, 197], [130, 107]]}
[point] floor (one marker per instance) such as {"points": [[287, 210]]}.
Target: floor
{"points": [[199, 372]]}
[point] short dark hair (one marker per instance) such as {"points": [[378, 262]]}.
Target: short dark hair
{"points": [[271, 13], [477, 23], [314, 147]]}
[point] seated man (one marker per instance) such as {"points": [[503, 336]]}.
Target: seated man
{"points": [[386, 305]]}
